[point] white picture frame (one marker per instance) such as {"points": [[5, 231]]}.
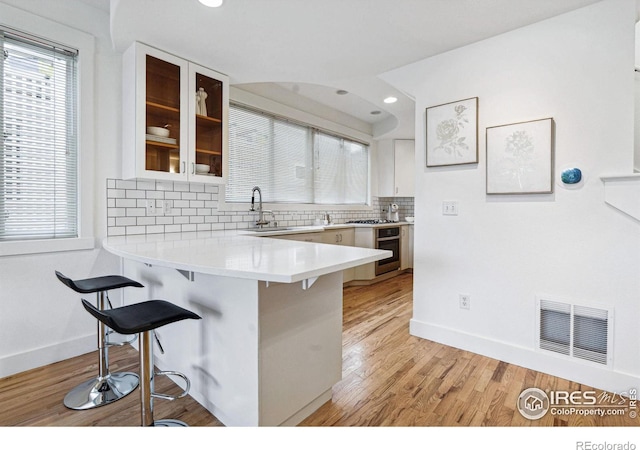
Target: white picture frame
{"points": [[520, 157], [452, 133]]}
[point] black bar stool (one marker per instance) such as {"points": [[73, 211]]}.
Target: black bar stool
{"points": [[143, 318], [107, 387]]}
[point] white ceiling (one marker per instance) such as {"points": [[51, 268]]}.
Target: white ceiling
{"points": [[334, 44]]}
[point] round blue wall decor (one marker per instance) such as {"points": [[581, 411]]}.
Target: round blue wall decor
{"points": [[571, 176]]}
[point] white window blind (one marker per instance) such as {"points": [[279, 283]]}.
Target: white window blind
{"points": [[292, 162], [38, 155]]}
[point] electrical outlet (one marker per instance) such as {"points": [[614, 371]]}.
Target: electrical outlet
{"points": [[449, 208], [151, 208], [166, 207], [465, 301]]}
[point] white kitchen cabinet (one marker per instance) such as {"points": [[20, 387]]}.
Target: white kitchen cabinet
{"points": [[159, 90], [342, 236], [306, 237], [396, 167], [406, 247], [365, 237]]}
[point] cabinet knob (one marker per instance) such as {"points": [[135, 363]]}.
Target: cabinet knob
{"points": [[184, 167]]}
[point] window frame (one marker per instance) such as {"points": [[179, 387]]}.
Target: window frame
{"points": [[314, 124], [48, 30]]}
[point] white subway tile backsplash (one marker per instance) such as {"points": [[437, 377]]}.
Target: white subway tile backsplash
{"points": [[181, 187], [125, 221], [136, 230], [145, 221], [126, 184], [164, 220], [152, 229], [146, 185], [116, 231], [126, 203], [116, 193], [136, 212], [164, 185], [155, 194], [194, 207]]}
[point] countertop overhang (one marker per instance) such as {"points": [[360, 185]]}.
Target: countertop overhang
{"points": [[238, 254]]}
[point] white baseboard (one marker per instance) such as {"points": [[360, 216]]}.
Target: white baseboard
{"points": [[20, 362], [584, 373]]}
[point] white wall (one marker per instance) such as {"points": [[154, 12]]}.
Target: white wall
{"points": [[41, 320], [503, 251]]}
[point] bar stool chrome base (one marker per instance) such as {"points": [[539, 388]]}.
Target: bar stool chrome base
{"points": [[169, 423], [101, 391]]}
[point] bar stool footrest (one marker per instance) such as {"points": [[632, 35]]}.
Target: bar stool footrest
{"points": [[172, 397]]}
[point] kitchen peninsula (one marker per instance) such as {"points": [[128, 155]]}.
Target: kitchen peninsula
{"points": [[269, 347]]}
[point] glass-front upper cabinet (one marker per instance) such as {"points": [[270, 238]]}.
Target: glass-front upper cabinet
{"points": [[175, 118], [208, 131]]}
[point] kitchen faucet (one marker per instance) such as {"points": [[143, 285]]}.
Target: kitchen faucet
{"points": [[260, 222]]}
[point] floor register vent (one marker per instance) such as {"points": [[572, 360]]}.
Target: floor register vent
{"points": [[575, 331]]}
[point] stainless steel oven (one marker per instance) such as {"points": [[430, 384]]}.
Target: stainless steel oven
{"points": [[388, 239]]}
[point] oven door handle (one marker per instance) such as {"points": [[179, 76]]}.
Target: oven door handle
{"points": [[392, 238]]}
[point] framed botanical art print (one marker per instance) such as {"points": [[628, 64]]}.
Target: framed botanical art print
{"points": [[520, 158], [452, 133]]}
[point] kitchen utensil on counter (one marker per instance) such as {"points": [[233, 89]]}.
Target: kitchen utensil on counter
{"points": [[409, 219], [392, 213], [326, 219]]}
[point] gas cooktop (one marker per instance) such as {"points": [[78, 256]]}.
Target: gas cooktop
{"points": [[371, 221]]}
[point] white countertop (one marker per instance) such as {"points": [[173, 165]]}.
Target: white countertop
{"points": [[240, 254]]}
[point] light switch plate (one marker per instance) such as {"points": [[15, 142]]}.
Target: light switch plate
{"points": [[449, 208]]}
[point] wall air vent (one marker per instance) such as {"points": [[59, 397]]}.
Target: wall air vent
{"points": [[575, 331]]}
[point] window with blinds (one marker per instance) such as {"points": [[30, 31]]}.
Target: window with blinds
{"points": [[292, 162], [38, 155]]}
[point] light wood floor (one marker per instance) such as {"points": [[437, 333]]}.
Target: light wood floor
{"points": [[390, 378]]}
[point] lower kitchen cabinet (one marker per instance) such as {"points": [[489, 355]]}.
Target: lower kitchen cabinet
{"points": [[342, 236], [406, 247], [359, 237], [306, 237]]}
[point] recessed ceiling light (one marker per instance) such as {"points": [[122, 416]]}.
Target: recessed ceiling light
{"points": [[342, 92], [375, 113], [390, 100], [211, 3]]}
